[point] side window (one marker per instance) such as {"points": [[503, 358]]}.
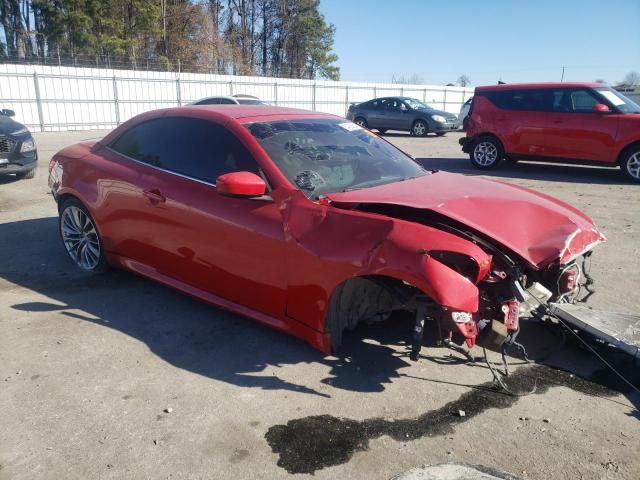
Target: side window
{"points": [[523, 100], [209, 101], [373, 105], [583, 101], [573, 100], [226, 101], [192, 147]]}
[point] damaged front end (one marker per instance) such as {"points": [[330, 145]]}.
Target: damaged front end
{"points": [[508, 290], [508, 287]]}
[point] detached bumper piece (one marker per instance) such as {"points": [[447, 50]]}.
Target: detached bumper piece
{"points": [[617, 329]]}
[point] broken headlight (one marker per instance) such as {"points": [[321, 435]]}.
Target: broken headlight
{"points": [[458, 262]]}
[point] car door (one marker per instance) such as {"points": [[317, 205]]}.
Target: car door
{"points": [[396, 115], [372, 112], [576, 131], [231, 247]]}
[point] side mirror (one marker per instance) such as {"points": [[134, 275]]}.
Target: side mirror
{"points": [[8, 113], [601, 108], [241, 184]]}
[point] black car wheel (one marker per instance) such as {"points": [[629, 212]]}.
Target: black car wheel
{"points": [[80, 237], [382, 130], [419, 128], [487, 153], [360, 121], [441, 134], [28, 174], [630, 163]]}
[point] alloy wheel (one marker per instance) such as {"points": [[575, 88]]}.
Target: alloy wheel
{"points": [[633, 165], [419, 129], [485, 154], [80, 238]]}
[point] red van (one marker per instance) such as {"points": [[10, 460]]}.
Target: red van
{"points": [[557, 122]]}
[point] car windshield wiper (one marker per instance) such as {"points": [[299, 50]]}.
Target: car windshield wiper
{"points": [[361, 185]]}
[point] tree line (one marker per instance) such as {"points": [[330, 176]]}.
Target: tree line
{"points": [[283, 38]]}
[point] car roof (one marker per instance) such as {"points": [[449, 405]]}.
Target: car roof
{"points": [[517, 86], [252, 113], [221, 114], [227, 97]]}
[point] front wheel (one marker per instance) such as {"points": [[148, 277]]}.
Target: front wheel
{"points": [[487, 153], [441, 134], [80, 237], [382, 131], [630, 164], [419, 128]]}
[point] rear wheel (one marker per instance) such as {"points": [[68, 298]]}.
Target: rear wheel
{"points": [[382, 130], [630, 163], [487, 153], [80, 237], [441, 134], [360, 121], [419, 128]]}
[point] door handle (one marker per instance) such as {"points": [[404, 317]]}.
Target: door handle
{"points": [[154, 195]]}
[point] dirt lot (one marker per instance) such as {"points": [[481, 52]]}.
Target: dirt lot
{"points": [[117, 377]]}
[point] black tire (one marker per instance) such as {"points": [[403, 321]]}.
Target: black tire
{"points": [[487, 153], [361, 122], [382, 130], [86, 259], [28, 174], [420, 128], [630, 163], [441, 134]]}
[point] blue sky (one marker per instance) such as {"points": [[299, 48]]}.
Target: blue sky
{"points": [[488, 40]]}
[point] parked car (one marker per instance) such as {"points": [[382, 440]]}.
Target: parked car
{"points": [[18, 154], [239, 99], [464, 112], [557, 122], [311, 224], [402, 113]]}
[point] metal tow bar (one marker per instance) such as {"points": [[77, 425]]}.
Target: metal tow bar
{"points": [[418, 328]]}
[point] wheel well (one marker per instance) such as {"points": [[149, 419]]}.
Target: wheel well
{"points": [[368, 299], [64, 197], [625, 149]]}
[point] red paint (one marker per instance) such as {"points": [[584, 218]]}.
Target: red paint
{"points": [[240, 184], [278, 259], [600, 134]]}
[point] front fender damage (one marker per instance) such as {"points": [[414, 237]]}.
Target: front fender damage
{"points": [[398, 261]]}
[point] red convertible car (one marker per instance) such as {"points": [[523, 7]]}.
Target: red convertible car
{"points": [[311, 224]]}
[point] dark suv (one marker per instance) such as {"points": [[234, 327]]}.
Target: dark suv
{"points": [[402, 113], [18, 153], [580, 122]]}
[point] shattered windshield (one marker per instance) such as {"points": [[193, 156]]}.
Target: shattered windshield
{"points": [[322, 156]]}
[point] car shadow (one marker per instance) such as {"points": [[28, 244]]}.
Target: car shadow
{"points": [[527, 170], [8, 178], [211, 342]]}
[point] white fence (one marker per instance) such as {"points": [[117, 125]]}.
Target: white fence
{"points": [[71, 98]]}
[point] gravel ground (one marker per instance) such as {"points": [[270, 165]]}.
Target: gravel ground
{"points": [[117, 377]]}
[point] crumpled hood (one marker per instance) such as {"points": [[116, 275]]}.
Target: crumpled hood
{"points": [[537, 227]]}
